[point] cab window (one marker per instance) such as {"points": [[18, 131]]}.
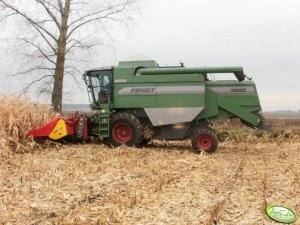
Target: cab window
{"points": [[101, 83]]}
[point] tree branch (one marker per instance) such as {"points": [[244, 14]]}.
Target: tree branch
{"points": [[34, 82], [30, 71], [49, 13], [105, 16], [38, 48], [30, 20]]}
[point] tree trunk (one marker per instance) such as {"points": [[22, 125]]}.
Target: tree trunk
{"points": [[57, 93], [59, 75]]}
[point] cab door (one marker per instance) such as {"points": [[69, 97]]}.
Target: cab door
{"points": [[101, 85]]}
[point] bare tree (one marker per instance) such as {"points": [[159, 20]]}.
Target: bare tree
{"points": [[54, 29]]}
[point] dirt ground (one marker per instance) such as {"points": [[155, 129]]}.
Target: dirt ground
{"points": [[164, 183]]}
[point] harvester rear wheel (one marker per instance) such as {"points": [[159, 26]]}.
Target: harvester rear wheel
{"points": [[204, 139], [125, 129]]}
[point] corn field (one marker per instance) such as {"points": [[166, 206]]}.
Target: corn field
{"points": [[164, 183], [17, 117]]}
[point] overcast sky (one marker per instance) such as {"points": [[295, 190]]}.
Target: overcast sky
{"points": [[263, 36]]}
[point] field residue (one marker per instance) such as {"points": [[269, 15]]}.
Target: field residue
{"points": [[164, 183]]}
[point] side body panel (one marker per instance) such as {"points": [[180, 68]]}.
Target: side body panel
{"points": [[166, 99], [231, 99], [164, 102]]}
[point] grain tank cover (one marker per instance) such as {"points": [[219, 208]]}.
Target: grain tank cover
{"points": [[237, 71]]}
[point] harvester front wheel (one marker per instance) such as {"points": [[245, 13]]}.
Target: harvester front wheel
{"points": [[125, 129], [204, 139]]}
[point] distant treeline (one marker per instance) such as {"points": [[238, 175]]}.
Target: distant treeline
{"points": [[76, 107], [283, 114]]}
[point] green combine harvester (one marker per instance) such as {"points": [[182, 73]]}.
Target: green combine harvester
{"points": [[138, 101]]}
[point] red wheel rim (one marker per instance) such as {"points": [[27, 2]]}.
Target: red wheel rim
{"points": [[204, 142], [122, 132]]}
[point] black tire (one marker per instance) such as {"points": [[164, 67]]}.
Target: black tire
{"points": [[145, 142], [204, 139], [125, 129]]}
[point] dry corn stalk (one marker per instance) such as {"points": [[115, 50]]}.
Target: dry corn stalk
{"points": [[17, 117]]}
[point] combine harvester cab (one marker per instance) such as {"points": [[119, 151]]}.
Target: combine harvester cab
{"points": [[138, 101]]}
